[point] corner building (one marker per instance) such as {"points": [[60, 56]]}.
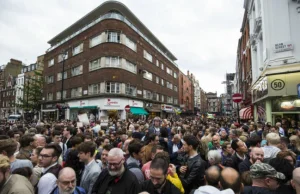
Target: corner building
{"points": [[111, 60]]}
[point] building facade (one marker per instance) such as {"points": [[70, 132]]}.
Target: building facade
{"points": [[186, 93], [203, 102], [213, 103], [197, 100], [107, 60], [8, 76], [275, 56]]}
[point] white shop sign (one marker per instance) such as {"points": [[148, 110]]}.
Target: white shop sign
{"points": [[135, 103]]}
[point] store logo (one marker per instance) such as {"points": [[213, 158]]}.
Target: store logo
{"points": [[277, 84], [110, 102]]}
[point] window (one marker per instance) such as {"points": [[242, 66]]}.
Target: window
{"points": [[162, 66], [95, 64], [58, 95], [95, 41], [175, 75], [50, 96], [75, 92], [169, 71], [147, 56], [113, 87], [175, 88], [162, 82], [113, 37], [59, 76], [170, 100], [147, 94], [50, 63], [169, 85], [94, 89], [62, 56], [112, 62], [155, 96], [147, 75], [50, 79], [130, 90], [76, 70], [157, 80], [162, 98], [157, 63], [130, 67], [78, 49], [175, 101], [130, 44]]}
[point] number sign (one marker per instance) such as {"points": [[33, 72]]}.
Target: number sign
{"points": [[277, 84]]}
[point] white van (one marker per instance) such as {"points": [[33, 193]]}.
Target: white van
{"points": [[14, 118]]}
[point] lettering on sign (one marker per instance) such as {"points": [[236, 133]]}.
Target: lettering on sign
{"points": [[283, 46], [277, 84], [111, 102]]}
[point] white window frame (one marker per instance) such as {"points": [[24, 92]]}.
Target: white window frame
{"points": [[157, 63], [130, 44], [175, 88], [58, 95], [157, 80], [130, 67], [50, 96], [147, 94], [96, 40], [175, 75], [148, 75], [114, 87], [50, 79], [162, 98], [130, 90], [77, 70], [59, 76], [95, 64], [77, 49], [170, 99], [94, 89], [175, 101], [148, 56], [112, 62], [113, 37], [169, 71], [162, 82], [76, 92], [162, 66], [50, 63], [60, 57]]}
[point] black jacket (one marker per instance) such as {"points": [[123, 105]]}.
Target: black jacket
{"points": [[234, 161], [127, 184], [168, 188], [194, 176], [244, 166], [257, 190]]}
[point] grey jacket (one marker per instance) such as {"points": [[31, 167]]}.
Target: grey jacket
{"points": [[89, 176]]}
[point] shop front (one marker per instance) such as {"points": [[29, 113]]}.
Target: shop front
{"points": [[49, 112], [278, 96], [167, 111], [90, 107], [153, 109]]}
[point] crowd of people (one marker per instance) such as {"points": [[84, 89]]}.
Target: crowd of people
{"points": [[158, 156]]}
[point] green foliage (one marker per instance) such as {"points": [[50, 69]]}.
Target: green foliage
{"points": [[32, 92]]}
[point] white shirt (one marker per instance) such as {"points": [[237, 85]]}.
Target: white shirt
{"points": [[47, 182], [175, 148]]}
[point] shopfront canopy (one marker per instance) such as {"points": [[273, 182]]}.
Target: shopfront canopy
{"points": [[246, 113], [138, 111]]}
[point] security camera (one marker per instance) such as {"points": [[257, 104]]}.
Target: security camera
{"points": [[261, 68]]}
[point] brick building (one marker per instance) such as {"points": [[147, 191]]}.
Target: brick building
{"points": [[186, 93], [112, 60], [8, 75]]}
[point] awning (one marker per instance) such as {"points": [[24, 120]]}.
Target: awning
{"points": [[49, 110], [84, 107], [246, 113], [138, 111]]}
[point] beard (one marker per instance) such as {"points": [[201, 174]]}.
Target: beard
{"points": [[116, 172], [69, 191]]}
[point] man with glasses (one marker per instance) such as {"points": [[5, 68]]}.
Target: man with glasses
{"points": [[66, 183], [48, 160], [116, 178], [92, 170]]}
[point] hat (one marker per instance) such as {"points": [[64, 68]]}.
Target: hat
{"points": [[262, 170], [212, 190]]}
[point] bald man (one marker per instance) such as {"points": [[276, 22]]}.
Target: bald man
{"points": [[256, 155], [296, 180], [66, 183], [212, 176], [230, 178]]}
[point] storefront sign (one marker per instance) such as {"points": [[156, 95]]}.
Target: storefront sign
{"points": [[167, 107], [260, 90], [112, 102], [135, 103], [283, 46], [83, 103], [49, 106], [283, 84], [277, 84]]}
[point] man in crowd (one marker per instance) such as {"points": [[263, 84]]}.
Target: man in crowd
{"points": [[12, 183], [256, 155], [66, 183], [240, 154], [230, 179], [212, 176], [146, 167], [48, 160], [174, 147], [155, 128], [28, 142], [158, 182], [271, 150], [265, 179], [92, 170], [192, 173], [116, 178], [41, 140], [215, 144], [104, 155]]}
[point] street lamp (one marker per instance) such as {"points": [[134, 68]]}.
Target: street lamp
{"points": [[63, 56]]}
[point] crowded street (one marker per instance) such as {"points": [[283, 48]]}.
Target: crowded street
{"points": [[93, 102]]}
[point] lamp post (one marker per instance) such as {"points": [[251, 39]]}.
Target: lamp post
{"points": [[63, 55]]}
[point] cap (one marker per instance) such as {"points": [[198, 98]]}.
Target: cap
{"points": [[262, 170]]}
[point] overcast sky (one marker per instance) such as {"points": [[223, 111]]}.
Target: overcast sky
{"points": [[202, 34]]}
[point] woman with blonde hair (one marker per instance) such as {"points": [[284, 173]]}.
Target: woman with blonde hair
{"points": [[295, 144]]}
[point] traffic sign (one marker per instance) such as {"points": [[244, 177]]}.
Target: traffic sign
{"points": [[127, 108], [237, 97]]}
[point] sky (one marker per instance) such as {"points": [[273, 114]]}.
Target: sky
{"points": [[202, 34]]}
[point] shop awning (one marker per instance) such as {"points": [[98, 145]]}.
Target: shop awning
{"points": [[138, 111], [246, 113], [84, 107]]}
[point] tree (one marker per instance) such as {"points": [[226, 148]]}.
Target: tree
{"points": [[32, 93]]}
